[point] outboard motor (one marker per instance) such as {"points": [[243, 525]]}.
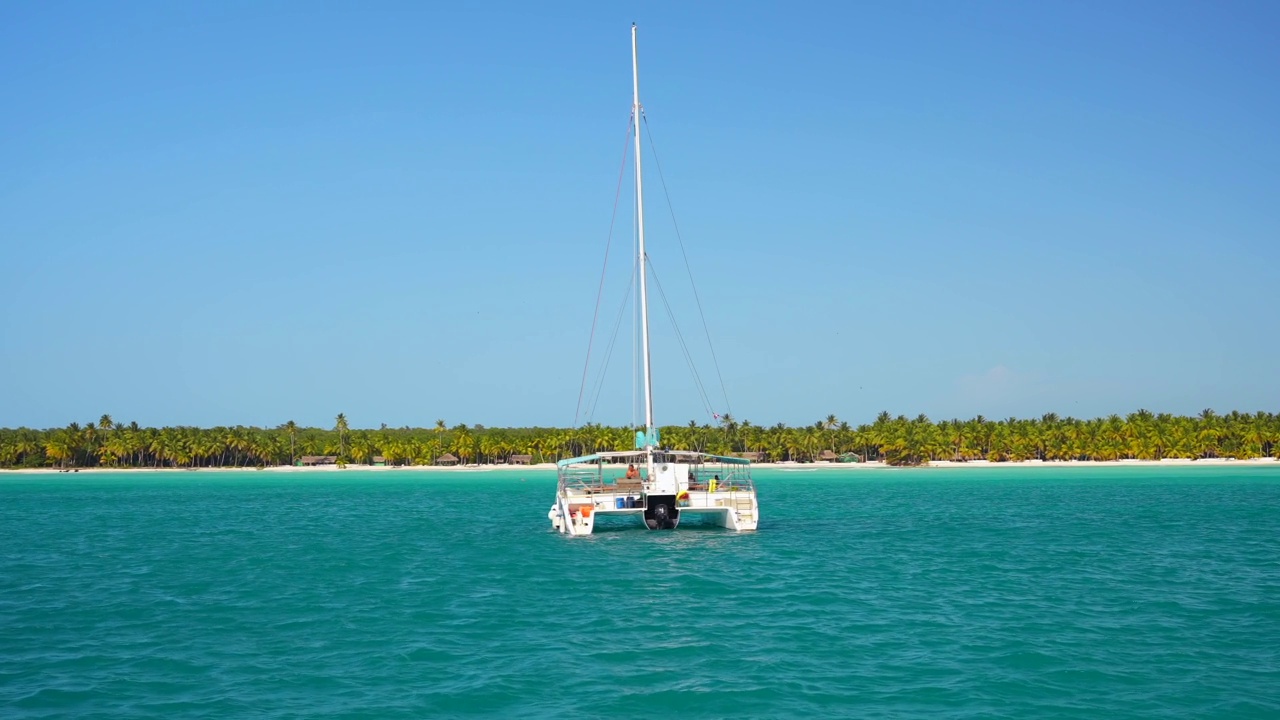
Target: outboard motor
{"points": [[660, 509], [661, 512]]}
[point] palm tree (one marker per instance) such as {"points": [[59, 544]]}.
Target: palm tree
{"points": [[729, 428], [490, 448], [8, 449], [60, 447], [463, 444], [163, 445], [829, 425], [1257, 435], [291, 427], [361, 447], [342, 429], [105, 426], [897, 440], [207, 447], [1207, 439], [27, 445]]}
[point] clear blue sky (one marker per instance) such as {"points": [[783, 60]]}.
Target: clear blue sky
{"points": [[245, 212]]}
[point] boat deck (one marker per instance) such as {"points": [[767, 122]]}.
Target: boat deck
{"points": [[714, 488]]}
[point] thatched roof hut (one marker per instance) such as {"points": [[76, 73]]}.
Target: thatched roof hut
{"points": [[447, 459], [751, 455], [521, 459], [828, 456], [318, 460]]}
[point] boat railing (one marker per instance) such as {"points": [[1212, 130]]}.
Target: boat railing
{"points": [[718, 499], [579, 478], [734, 477], [589, 478], [712, 482]]}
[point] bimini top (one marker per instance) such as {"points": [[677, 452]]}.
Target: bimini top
{"points": [[640, 453]]}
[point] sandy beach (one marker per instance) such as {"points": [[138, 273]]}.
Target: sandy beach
{"points": [[784, 466]]}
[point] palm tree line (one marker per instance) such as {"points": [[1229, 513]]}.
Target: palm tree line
{"points": [[1141, 435]]}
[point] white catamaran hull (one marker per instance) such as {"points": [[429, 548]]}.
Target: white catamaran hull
{"points": [[740, 516], [701, 489]]}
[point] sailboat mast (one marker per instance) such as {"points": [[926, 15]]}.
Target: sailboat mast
{"points": [[643, 259]]}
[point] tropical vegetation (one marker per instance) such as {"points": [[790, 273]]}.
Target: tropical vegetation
{"points": [[1141, 435]]}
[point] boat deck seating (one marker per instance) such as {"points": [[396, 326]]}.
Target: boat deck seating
{"points": [[627, 487], [619, 486]]}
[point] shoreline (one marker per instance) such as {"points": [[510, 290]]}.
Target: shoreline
{"points": [[783, 466]]}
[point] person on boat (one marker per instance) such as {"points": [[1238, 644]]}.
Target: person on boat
{"points": [[711, 486], [632, 473]]}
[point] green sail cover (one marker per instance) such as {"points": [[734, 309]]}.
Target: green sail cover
{"points": [[652, 438]]}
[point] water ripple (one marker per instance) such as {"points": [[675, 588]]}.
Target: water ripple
{"points": [[931, 593]]}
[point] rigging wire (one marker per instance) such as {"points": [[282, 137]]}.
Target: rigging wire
{"points": [[697, 299], [594, 398], [586, 365], [684, 347]]}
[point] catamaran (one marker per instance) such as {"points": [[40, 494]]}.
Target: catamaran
{"points": [[654, 486]]}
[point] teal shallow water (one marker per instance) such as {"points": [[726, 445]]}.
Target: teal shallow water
{"points": [[932, 593]]}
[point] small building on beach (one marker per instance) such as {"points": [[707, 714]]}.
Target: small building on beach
{"points": [[521, 459], [314, 460], [447, 459], [750, 455], [379, 460], [828, 456]]}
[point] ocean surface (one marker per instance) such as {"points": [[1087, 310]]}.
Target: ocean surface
{"points": [[1019, 593]]}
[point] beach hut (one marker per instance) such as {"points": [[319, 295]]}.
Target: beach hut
{"points": [[828, 456], [313, 460], [751, 455], [521, 459], [447, 459], [379, 460]]}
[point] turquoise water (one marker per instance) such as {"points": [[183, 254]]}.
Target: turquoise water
{"points": [[930, 593]]}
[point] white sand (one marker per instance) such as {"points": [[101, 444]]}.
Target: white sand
{"points": [[1213, 462]]}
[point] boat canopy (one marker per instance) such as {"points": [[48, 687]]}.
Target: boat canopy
{"points": [[577, 460], [695, 456]]}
